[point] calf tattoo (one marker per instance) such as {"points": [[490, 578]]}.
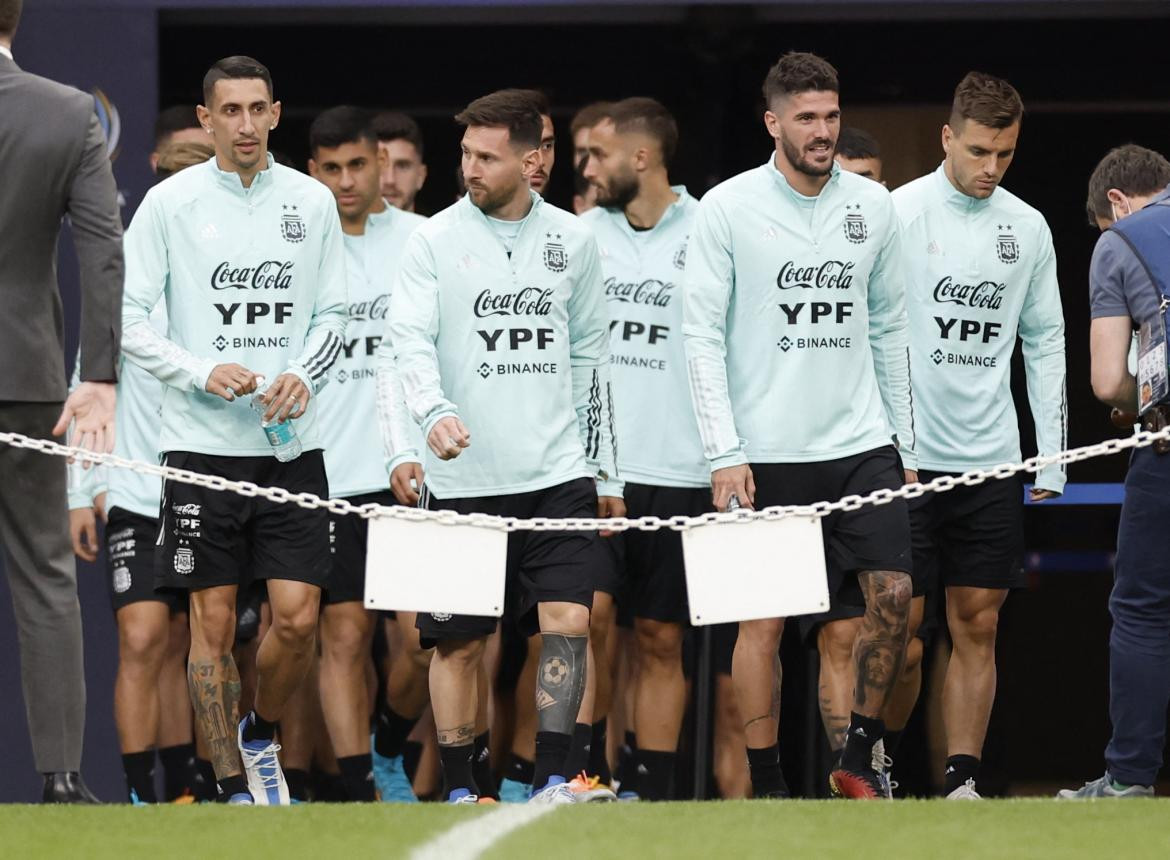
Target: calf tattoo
{"points": [[880, 649], [215, 694], [560, 685], [458, 736]]}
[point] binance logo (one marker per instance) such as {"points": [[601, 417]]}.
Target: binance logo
{"points": [[220, 343], [937, 356], [484, 370], [785, 343]]}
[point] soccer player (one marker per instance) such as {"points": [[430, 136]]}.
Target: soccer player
{"points": [[176, 124], [403, 172], [858, 152], [347, 159], [548, 142], [642, 224], [980, 270], [584, 192], [249, 256], [793, 284], [498, 308]]}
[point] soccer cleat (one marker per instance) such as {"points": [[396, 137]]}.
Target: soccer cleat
{"points": [[241, 799], [1105, 787], [461, 796], [862, 784], [556, 792], [512, 791], [882, 764], [588, 789], [966, 791], [487, 801], [390, 780], [262, 768], [628, 797], [185, 798], [134, 801]]}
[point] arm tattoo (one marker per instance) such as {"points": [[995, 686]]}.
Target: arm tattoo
{"points": [[215, 695], [880, 649], [458, 736]]}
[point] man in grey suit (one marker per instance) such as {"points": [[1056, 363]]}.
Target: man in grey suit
{"points": [[55, 154]]}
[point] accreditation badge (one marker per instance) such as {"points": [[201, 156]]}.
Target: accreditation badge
{"points": [[1152, 377]]}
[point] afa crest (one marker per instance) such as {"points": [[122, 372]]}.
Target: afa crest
{"points": [[556, 258], [680, 256], [292, 226], [855, 228], [184, 561], [1006, 246]]}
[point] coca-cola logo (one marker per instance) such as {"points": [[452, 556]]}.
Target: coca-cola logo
{"points": [[530, 301], [269, 275], [372, 310], [829, 275], [986, 294], [650, 292]]}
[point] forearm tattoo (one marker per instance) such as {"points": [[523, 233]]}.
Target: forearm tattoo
{"points": [[215, 695], [880, 649], [560, 684]]}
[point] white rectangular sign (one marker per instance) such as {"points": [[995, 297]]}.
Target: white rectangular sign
{"points": [[740, 571], [427, 566]]}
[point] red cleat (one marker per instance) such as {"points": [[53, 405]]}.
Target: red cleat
{"points": [[863, 784]]}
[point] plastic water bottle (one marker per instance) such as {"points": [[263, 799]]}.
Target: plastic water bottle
{"points": [[282, 435]]}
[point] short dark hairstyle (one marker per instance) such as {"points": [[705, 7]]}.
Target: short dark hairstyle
{"points": [[853, 142], [588, 116], [515, 110], [539, 98], [235, 68], [391, 125], [173, 119], [646, 115], [341, 124], [799, 72], [987, 100], [1131, 169], [9, 16]]}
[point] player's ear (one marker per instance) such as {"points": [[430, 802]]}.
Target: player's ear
{"points": [[948, 134], [531, 162], [313, 168], [772, 123], [204, 116], [275, 115]]}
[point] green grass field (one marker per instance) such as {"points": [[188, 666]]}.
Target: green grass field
{"points": [[906, 830]]}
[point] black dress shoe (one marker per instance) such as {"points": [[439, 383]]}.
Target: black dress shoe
{"points": [[66, 787]]}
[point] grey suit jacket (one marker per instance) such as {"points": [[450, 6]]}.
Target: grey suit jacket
{"points": [[53, 163]]}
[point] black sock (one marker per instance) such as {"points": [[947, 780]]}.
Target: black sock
{"points": [[231, 785], [519, 769], [552, 750], [578, 758], [298, 783], [959, 769], [767, 779], [139, 770], [357, 772], [626, 772], [862, 734], [178, 770], [481, 768], [411, 758], [892, 740], [457, 768], [598, 754], [391, 732], [326, 787], [256, 728], [656, 774], [205, 788]]}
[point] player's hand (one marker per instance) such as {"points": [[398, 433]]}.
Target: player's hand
{"points": [[90, 406], [230, 381], [733, 481], [609, 507], [83, 532], [448, 438], [1038, 495], [286, 398], [400, 484], [911, 476]]}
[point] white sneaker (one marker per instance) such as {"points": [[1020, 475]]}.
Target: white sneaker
{"points": [[882, 764], [966, 791], [265, 778], [555, 793]]}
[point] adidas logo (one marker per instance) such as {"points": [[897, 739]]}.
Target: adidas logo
{"points": [[860, 732], [642, 771]]}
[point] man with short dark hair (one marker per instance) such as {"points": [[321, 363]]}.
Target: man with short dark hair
{"points": [[249, 256], [980, 270], [176, 124], [1129, 286], [548, 141], [347, 159], [793, 283], [858, 152], [404, 171], [584, 191], [498, 308]]}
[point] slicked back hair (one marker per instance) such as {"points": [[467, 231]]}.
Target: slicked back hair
{"points": [[987, 100], [515, 110], [236, 68], [1131, 169], [799, 72], [647, 116]]}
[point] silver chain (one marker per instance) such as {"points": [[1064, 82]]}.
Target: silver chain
{"points": [[279, 495]]}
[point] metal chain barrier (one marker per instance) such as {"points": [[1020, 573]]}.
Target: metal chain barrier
{"points": [[279, 495]]}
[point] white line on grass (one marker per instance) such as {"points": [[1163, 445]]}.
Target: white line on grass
{"points": [[469, 839]]}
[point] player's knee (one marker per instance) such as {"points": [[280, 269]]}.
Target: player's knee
{"points": [[462, 654], [344, 641], [761, 635], [977, 627], [141, 644], [296, 628], [659, 644], [571, 619], [835, 642]]}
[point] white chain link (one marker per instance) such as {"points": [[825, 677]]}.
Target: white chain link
{"points": [[941, 484]]}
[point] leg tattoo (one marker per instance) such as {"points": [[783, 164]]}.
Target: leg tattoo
{"points": [[774, 707], [215, 695], [458, 736], [880, 649], [836, 725], [560, 682]]}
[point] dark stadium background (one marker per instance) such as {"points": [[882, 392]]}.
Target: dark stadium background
{"points": [[1092, 75]]}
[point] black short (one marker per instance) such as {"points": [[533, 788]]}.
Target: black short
{"points": [[542, 567], [347, 547], [130, 540], [213, 537], [657, 583], [972, 536]]}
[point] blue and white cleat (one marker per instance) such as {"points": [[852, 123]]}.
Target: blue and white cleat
{"points": [[390, 778], [512, 791], [461, 796], [241, 799], [134, 801], [1105, 787], [262, 768], [555, 793]]}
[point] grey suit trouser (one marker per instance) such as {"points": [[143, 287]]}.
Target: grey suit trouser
{"points": [[42, 576]]}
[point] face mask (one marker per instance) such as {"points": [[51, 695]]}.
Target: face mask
{"points": [[1113, 211]]}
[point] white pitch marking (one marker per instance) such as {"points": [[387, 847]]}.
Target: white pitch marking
{"points": [[470, 839]]}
